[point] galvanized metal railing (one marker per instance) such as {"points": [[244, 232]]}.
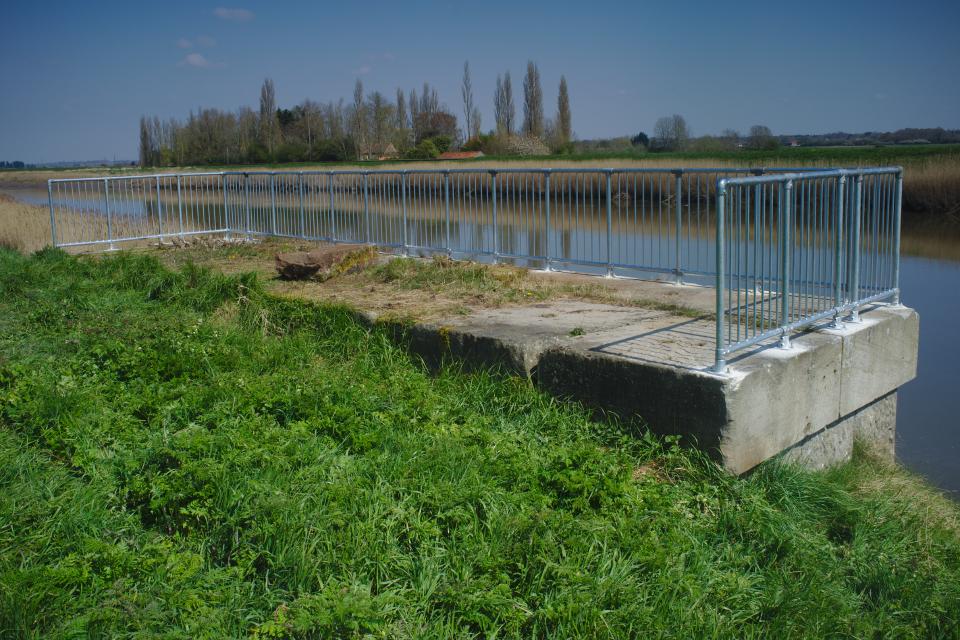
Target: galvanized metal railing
{"points": [[796, 249], [691, 224], [607, 220]]}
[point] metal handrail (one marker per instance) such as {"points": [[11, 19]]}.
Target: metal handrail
{"points": [[613, 220]]}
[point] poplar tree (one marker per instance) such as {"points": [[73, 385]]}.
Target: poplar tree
{"points": [[564, 127], [532, 102], [269, 126]]}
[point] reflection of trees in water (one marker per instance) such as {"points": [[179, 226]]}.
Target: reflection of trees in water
{"points": [[642, 208]]}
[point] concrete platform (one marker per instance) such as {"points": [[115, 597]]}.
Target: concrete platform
{"points": [[808, 402]]}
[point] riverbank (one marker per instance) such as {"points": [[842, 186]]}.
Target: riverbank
{"points": [[268, 466], [931, 172]]}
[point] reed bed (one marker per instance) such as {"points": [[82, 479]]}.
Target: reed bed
{"points": [[931, 178], [23, 227]]}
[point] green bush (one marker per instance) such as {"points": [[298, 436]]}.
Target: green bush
{"points": [[426, 150], [292, 152]]}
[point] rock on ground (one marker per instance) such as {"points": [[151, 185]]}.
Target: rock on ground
{"points": [[325, 262]]}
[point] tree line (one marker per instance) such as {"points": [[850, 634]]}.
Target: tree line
{"points": [[370, 126]]}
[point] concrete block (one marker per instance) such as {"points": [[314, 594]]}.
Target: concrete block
{"points": [[873, 425], [879, 355], [812, 400], [669, 400], [778, 397]]}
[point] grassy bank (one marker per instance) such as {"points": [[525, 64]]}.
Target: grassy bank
{"points": [[183, 455]]}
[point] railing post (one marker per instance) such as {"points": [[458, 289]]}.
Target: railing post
{"points": [[226, 211], [246, 203], [786, 255], [333, 219], [273, 205], [548, 231], [159, 212], [496, 244], [366, 206], [896, 237], [180, 206], [303, 225], [446, 206], [719, 365], [53, 219], [853, 286], [678, 226], [106, 207], [838, 254], [609, 223], [403, 188]]}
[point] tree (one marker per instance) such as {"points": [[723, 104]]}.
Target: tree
{"points": [[471, 115], [414, 111], [269, 126], [640, 140], [310, 125], [422, 112], [511, 116], [401, 111], [762, 138], [564, 126], [532, 102], [671, 133], [381, 114], [499, 108], [359, 119], [438, 124], [146, 148], [730, 138]]}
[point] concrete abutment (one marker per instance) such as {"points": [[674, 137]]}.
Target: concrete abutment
{"points": [[807, 403]]}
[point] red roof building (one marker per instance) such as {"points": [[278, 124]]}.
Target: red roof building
{"points": [[460, 155]]}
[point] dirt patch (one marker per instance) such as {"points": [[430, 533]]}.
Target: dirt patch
{"points": [[430, 289], [325, 262]]}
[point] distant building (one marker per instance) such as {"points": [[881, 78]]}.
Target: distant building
{"points": [[388, 152], [460, 155]]}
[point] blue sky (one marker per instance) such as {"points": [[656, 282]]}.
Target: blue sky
{"points": [[77, 76]]}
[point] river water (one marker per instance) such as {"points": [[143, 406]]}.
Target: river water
{"points": [[928, 427]]}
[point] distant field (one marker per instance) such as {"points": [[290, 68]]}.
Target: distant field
{"points": [[931, 172]]}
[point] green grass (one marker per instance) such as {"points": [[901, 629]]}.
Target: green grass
{"points": [[183, 456]]}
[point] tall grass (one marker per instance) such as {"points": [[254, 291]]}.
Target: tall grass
{"points": [[182, 455], [23, 227]]}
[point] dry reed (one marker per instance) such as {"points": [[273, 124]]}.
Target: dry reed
{"points": [[23, 227]]}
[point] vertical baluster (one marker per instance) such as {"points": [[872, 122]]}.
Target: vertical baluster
{"points": [[53, 220], [719, 364], [786, 202], [246, 203], [106, 206], [493, 187], [159, 211], [898, 205], [609, 224], [180, 206], [678, 225]]}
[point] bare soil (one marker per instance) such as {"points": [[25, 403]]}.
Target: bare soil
{"points": [[429, 289]]}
